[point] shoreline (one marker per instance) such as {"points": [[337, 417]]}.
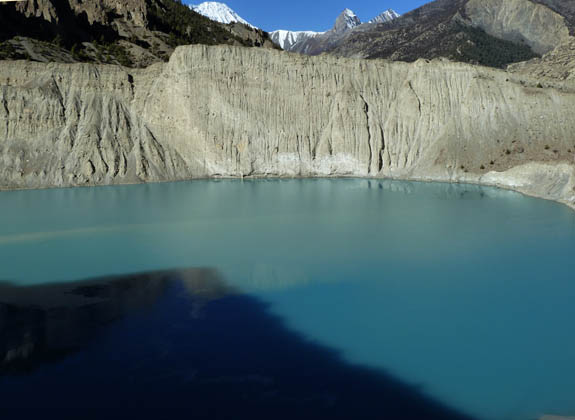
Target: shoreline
{"points": [[226, 112], [458, 181]]}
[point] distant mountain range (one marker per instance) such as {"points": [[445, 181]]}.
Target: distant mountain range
{"points": [[493, 33], [288, 39], [292, 40], [137, 33], [315, 43]]}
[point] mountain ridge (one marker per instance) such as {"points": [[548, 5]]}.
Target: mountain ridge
{"points": [[385, 17], [288, 39], [127, 32], [495, 33], [219, 12], [308, 42]]}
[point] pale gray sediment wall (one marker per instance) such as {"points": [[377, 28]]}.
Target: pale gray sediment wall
{"points": [[230, 111]]}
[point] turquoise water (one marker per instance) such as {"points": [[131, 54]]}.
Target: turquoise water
{"points": [[465, 293]]}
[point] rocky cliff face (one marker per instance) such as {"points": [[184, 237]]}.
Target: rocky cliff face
{"points": [[565, 8], [520, 21], [96, 11], [127, 32], [226, 111], [558, 64]]}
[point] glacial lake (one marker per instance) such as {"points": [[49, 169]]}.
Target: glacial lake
{"points": [[265, 299]]}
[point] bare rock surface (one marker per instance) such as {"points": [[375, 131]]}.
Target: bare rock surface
{"points": [[133, 33], [557, 64], [95, 11], [235, 112], [519, 21], [493, 33]]}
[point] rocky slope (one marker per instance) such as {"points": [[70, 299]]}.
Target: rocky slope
{"points": [[520, 21], [556, 64], [316, 43], [488, 32], [565, 8], [226, 111], [128, 32], [385, 17]]}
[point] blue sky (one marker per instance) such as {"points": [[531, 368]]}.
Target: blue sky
{"points": [[315, 15]]}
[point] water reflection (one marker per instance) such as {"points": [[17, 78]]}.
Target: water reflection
{"points": [[307, 222], [47, 322], [458, 288], [198, 344]]}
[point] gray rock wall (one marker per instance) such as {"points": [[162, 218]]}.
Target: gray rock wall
{"points": [[95, 10], [225, 111], [520, 21]]}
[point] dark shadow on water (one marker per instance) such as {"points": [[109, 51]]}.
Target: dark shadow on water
{"points": [[44, 323], [183, 343]]}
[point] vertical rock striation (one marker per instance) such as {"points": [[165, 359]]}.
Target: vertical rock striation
{"points": [[520, 21], [225, 111]]}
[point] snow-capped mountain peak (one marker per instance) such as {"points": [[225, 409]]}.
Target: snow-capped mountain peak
{"points": [[345, 21], [386, 16], [287, 39], [220, 12], [351, 19]]}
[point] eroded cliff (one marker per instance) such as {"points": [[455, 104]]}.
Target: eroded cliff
{"points": [[226, 111], [520, 21]]}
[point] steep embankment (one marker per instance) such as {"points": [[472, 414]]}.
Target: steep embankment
{"points": [[225, 111]]}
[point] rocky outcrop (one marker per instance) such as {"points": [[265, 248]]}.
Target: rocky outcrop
{"points": [[126, 32], [520, 21], [565, 8], [557, 64], [44, 9], [236, 112], [134, 11]]}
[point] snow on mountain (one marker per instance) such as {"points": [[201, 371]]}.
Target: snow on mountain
{"points": [[220, 12], [351, 19], [345, 21], [287, 39], [386, 16]]}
